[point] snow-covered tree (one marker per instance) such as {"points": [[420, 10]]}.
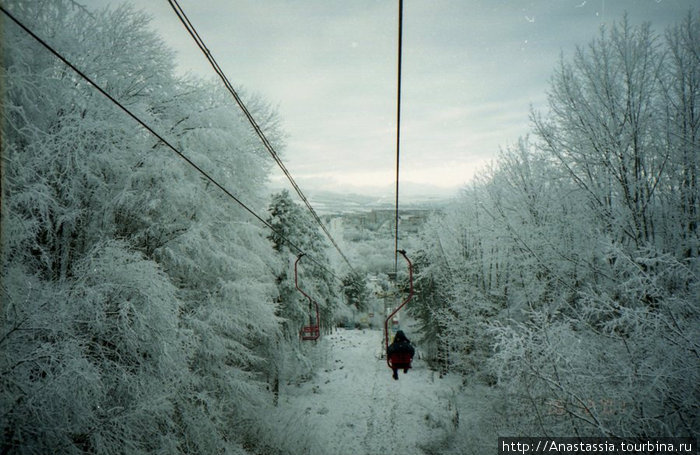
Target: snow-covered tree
{"points": [[601, 128], [138, 300], [293, 224], [573, 259], [429, 300], [679, 205], [356, 290]]}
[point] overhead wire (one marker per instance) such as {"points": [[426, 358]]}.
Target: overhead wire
{"points": [[159, 137], [271, 150], [398, 137]]}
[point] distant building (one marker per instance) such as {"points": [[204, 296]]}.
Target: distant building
{"points": [[410, 220]]}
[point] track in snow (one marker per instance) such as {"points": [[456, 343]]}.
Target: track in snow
{"points": [[354, 406]]}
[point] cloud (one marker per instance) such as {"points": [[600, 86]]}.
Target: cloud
{"points": [[471, 71]]}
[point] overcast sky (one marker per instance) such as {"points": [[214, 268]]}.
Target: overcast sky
{"points": [[471, 71]]}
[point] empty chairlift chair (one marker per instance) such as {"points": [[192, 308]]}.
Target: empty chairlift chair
{"points": [[312, 331]]}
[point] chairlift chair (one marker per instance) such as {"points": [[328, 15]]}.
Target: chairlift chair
{"points": [[400, 360], [312, 331]]}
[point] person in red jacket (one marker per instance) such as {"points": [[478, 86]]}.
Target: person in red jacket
{"points": [[400, 353]]}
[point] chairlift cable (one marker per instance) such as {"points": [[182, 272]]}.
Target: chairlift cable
{"points": [[158, 136], [398, 137], [391, 362], [217, 69]]}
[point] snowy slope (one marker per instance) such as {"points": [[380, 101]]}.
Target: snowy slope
{"points": [[353, 406]]}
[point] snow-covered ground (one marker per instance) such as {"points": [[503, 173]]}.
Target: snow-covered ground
{"points": [[353, 406]]}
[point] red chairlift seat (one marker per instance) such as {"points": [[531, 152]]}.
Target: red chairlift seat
{"points": [[400, 360], [310, 332]]}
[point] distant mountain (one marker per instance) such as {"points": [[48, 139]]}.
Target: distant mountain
{"points": [[363, 199], [326, 202]]}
